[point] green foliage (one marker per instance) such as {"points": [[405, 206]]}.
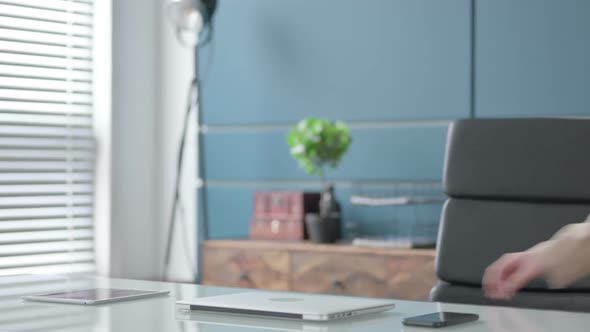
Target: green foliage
{"points": [[316, 143]]}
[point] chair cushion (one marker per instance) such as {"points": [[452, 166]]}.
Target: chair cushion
{"points": [[474, 233], [552, 300], [519, 159]]}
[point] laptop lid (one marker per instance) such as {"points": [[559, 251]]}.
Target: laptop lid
{"points": [[214, 322], [289, 305]]}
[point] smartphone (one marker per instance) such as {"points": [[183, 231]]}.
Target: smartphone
{"points": [[440, 319]]}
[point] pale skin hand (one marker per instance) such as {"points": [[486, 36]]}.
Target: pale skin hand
{"points": [[512, 272], [560, 261]]}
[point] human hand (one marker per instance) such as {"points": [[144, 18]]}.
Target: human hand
{"points": [[512, 272]]}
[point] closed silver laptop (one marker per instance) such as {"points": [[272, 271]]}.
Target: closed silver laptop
{"points": [[289, 305]]}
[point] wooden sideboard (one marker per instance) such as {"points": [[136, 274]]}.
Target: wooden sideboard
{"points": [[319, 268]]}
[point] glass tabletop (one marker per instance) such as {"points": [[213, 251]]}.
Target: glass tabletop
{"points": [[162, 314]]}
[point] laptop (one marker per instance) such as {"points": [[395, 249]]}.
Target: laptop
{"points": [[214, 322], [289, 305]]}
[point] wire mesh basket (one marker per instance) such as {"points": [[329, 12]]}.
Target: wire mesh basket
{"points": [[398, 216]]}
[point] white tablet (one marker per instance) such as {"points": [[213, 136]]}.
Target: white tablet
{"points": [[95, 296]]}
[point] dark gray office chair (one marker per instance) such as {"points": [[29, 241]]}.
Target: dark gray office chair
{"points": [[511, 184]]}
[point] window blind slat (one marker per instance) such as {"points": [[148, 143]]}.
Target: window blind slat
{"points": [[45, 259], [59, 5], [46, 166], [47, 148], [49, 155], [44, 224], [44, 14], [42, 212], [46, 143], [44, 247], [44, 38], [18, 285], [43, 84], [9, 178], [47, 73], [58, 51], [43, 26], [51, 269], [43, 96], [36, 61], [45, 189], [45, 119], [19, 106], [44, 236], [36, 131]]}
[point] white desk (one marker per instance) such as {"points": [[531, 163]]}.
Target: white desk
{"points": [[161, 314]]}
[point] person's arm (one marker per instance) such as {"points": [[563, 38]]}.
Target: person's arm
{"points": [[561, 260]]}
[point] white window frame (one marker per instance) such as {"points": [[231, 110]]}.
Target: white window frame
{"points": [[134, 40], [102, 74]]}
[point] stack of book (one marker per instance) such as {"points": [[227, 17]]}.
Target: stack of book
{"points": [[395, 242]]}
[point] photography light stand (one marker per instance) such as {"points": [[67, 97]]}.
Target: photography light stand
{"points": [[189, 18]]}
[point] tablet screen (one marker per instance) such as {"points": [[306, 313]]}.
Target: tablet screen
{"points": [[97, 294]]}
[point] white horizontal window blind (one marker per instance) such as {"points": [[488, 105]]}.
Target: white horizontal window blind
{"points": [[46, 138]]}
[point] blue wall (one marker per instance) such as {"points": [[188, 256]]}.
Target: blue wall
{"points": [[533, 58], [397, 71]]}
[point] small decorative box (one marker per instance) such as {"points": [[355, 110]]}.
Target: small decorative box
{"points": [[279, 215]]}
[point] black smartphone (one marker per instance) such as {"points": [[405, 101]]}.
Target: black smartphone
{"points": [[440, 319]]}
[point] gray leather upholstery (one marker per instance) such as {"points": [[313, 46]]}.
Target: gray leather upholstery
{"points": [[511, 184], [519, 159], [474, 233], [560, 300]]}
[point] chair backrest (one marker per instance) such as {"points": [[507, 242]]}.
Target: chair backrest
{"points": [[511, 184]]}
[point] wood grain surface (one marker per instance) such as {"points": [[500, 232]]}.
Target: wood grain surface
{"points": [[314, 247], [251, 268], [358, 275], [410, 277], [320, 268]]}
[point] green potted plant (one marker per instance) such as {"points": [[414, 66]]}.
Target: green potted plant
{"points": [[317, 144]]}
